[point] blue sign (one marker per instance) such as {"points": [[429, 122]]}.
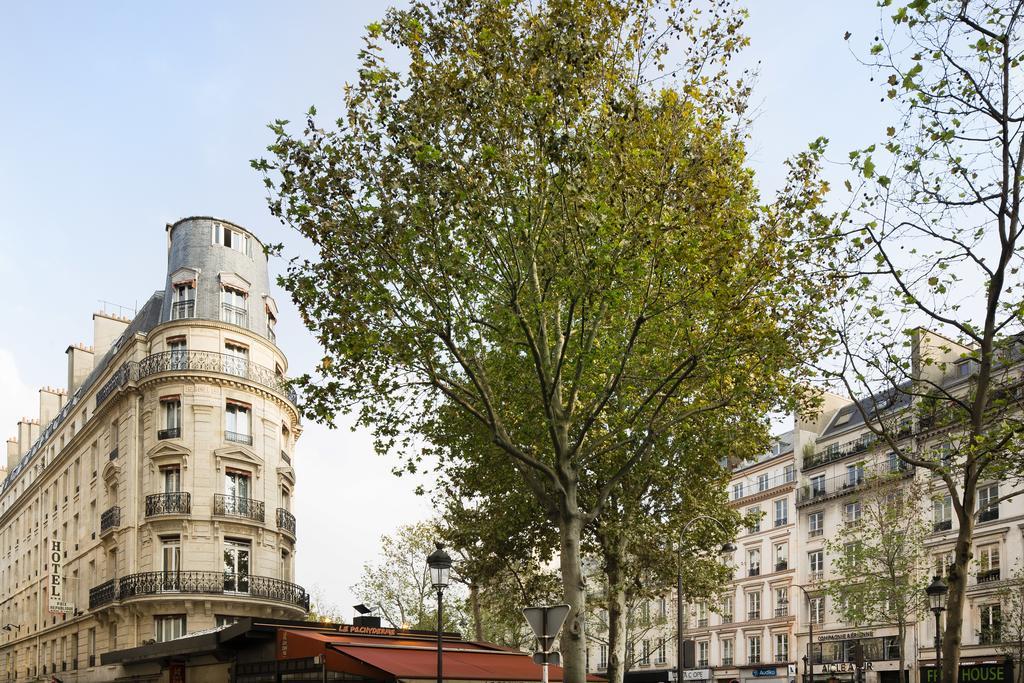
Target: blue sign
{"points": [[764, 672]]}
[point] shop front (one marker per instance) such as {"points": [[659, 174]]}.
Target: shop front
{"points": [[834, 657], [778, 673]]}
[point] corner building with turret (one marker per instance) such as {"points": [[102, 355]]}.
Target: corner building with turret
{"points": [[152, 498]]}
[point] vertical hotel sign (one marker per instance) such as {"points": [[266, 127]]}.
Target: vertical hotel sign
{"points": [[57, 605]]}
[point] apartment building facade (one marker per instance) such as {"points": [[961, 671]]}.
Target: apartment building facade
{"points": [[152, 498], [776, 620]]}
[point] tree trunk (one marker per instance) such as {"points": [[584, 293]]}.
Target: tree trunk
{"points": [[474, 603], [617, 611], [951, 636], [573, 643]]}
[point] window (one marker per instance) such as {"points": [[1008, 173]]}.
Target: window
{"points": [[781, 556], [230, 238], [988, 502], [236, 483], [702, 614], [781, 601], [168, 627], [236, 566], [660, 658], [942, 513], [702, 653], [753, 649], [762, 482], [727, 652], [781, 512], [602, 657], [789, 474], [170, 407], [171, 475], [893, 462], [755, 513], [177, 353], [852, 512], [854, 475], [781, 647], [662, 605], [236, 359], [816, 524], [737, 490], [817, 609], [237, 424], [990, 624], [233, 307], [753, 605], [271, 325], [988, 563], [816, 561], [753, 562], [727, 609], [225, 619], [183, 301], [646, 650], [818, 485], [943, 562]]}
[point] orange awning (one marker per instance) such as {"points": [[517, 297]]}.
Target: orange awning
{"points": [[405, 658]]}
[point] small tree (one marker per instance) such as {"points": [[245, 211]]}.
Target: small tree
{"points": [[398, 583], [880, 561]]}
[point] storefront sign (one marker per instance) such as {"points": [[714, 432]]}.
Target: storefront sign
{"points": [[367, 630], [56, 596], [696, 674], [764, 672], [841, 668], [992, 672], [849, 635]]}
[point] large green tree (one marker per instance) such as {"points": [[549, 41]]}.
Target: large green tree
{"points": [[539, 212], [935, 241]]}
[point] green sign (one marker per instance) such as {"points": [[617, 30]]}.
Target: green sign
{"points": [[974, 673]]}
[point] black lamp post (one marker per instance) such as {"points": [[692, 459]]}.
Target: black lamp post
{"points": [[440, 564], [937, 591], [727, 547]]}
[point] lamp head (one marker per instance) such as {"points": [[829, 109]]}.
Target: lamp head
{"points": [[937, 591], [440, 564]]}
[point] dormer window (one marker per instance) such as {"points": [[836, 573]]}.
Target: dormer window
{"points": [[232, 307], [965, 368], [183, 304]]}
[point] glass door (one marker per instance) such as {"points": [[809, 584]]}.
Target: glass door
{"points": [[171, 560], [236, 567]]}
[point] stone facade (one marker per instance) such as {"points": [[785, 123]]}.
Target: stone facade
{"points": [[164, 473]]}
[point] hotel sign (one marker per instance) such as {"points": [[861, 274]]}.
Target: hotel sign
{"points": [[57, 604]]}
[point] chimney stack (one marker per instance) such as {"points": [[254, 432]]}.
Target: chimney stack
{"points": [[106, 328], [50, 402], [13, 455], [80, 364]]}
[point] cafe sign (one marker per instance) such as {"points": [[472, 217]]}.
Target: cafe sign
{"points": [[989, 672]]}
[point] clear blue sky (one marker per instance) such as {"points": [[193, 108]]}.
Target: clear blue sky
{"points": [[119, 117]]}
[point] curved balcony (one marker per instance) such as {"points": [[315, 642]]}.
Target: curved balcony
{"points": [[202, 361], [178, 503], [198, 583], [237, 506], [286, 522]]}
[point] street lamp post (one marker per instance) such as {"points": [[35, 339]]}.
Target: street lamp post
{"points": [[440, 564], [727, 547], [808, 658], [937, 591]]}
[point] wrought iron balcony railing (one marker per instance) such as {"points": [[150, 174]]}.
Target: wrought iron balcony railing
{"points": [[840, 485], [781, 566], [238, 437], [751, 487], [183, 309], [169, 433], [988, 514], [113, 454], [286, 521], [177, 503], [234, 315], [988, 575], [110, 519], [287, 458], [944, 525], [236, 506], [782, 611], [199, 361], [198, 582], [753, 615]]}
